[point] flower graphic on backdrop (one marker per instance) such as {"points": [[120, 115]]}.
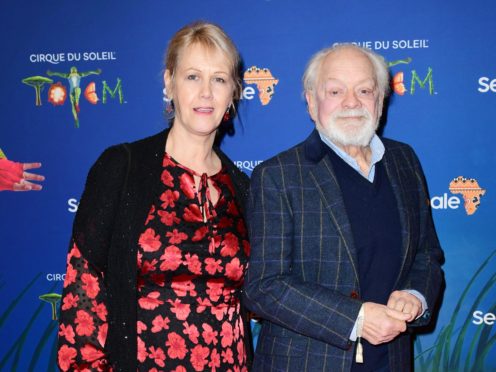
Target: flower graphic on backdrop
{"points": [[57, 94]]}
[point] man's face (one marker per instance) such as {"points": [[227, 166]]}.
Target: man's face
{"points": [[346, 104]]}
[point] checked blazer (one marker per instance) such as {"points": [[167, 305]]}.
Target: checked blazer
{"points": [[303, 278]]}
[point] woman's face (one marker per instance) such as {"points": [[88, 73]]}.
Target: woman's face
{"points": [[202, 89]]}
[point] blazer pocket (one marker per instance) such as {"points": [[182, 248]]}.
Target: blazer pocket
{"points": [[283, 346]]}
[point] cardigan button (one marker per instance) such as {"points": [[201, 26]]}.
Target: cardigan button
{"points": [[354, 294]]}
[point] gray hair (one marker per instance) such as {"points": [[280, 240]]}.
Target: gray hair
{"points": [[379, 64]]}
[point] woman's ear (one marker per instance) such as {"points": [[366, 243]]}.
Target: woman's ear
{"points": [[168, 83]]}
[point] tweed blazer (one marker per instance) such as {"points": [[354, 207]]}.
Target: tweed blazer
{"points": [[303, 277]]}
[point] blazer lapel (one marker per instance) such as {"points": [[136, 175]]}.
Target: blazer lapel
{"points": [[328, 187], [392, 170]]}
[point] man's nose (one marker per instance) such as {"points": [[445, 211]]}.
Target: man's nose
{"points": [[350, 100]]}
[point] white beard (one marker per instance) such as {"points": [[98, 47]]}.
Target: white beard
{"points": [[350, 132]]}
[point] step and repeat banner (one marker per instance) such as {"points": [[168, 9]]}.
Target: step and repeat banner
{"points": [[78, 77]]}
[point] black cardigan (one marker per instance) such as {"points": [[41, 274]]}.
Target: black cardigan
{"points": [[119, 191]]}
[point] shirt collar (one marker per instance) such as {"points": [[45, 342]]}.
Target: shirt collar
{"points": [[376, 146]]}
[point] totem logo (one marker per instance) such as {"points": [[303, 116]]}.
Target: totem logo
{"points": [[469, 190], [57, 92], [398, 84], [265, 82]]}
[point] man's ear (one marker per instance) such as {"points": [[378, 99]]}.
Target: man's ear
{"points": [[311, 105], [380, 104]]}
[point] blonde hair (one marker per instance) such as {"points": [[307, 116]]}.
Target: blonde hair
{"points": [[210, 36]]}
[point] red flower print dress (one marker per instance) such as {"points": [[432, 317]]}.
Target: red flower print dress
{"points": [[191, 261]]}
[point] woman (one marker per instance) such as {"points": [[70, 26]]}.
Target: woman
{"points": [[159, 244]]}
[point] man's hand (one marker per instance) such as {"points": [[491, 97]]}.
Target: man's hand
{"points": [[381, 324], [406, 303]]}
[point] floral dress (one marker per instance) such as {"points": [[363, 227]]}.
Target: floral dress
{"points": [[191, 261]]}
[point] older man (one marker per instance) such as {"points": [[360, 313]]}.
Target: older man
{"points": [[345, 259]]}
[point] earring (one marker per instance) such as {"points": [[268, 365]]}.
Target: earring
{"points": [[227, 115], [169, 105]]}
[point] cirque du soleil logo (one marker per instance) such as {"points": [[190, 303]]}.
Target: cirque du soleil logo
{"points": [[57, 91], [403, 82]]}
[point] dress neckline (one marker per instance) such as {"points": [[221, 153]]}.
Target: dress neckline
{"points": [[193, 172]]}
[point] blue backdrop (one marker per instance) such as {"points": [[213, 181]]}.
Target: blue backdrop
{"points": [[441, 54]]}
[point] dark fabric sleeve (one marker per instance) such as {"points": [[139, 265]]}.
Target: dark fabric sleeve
{"points": [[84, 306], [98, 209], [425, 275]]}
